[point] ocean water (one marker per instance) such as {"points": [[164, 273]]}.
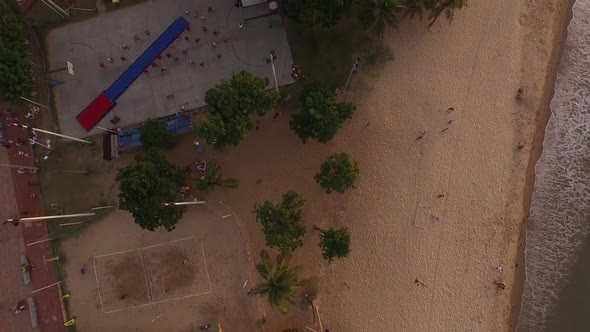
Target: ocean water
{"points": [[557, 254]]}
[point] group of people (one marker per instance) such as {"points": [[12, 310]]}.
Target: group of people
{"points": [[170, 55], [19, 307], [22, 141], [296, 72]]}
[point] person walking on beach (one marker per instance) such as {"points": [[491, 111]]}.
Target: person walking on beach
{"points": [[124, 46]]}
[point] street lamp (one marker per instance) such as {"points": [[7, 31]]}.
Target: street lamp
{"points": [[272, 64], [355, 67]]}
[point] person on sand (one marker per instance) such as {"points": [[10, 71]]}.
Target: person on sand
{"points": [[500, 285], [83, 269], [20, 306]]}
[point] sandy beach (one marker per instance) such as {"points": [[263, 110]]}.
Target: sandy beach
{"points": [[446, 209], [447, 156]]}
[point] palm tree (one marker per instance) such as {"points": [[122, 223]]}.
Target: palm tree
{"points": [[446, 6], [212, 179], [414, 7], [280, 281], [376, 15]]}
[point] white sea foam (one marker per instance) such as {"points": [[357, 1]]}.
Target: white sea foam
{"points": [[559, 220]]}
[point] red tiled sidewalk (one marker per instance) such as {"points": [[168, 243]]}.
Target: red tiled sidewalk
{"points": [[29, 204]]}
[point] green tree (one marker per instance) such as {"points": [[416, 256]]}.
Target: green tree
{"points": [[312, 12], [338, 173], [212, 178], [280, 281], [376, 15], [335, 243], [148, 183], [15, 66], [281, 223], [155, 134], [232, 103], [321, 115]]}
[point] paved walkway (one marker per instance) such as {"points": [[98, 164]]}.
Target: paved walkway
{"points": [[20, 198], [28, 202], [12, 247]]}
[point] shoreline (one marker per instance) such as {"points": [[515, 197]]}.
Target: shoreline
{"points": [[542, 115]]}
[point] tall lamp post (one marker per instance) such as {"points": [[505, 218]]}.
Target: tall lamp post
{"points": [[355, 67], [272, 64]]}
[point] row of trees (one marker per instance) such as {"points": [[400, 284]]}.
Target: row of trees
{"points": [[151, 180], [234, 102], [375, 15], [16, 74], [283, 229]]}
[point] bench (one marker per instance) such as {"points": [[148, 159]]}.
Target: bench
{"points": [[26, 273], [33, 312]]}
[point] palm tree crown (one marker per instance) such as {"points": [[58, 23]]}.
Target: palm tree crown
{"points": [[280, 281], [376, 15]]}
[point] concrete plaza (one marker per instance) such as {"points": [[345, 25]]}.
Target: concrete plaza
{"points": [[89, 43]]}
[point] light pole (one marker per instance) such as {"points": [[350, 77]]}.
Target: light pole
{"points": [[272, 64], [33, 102], [54, 134], [354, 68], [57, 217], [20, 166], [184, 203]]}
